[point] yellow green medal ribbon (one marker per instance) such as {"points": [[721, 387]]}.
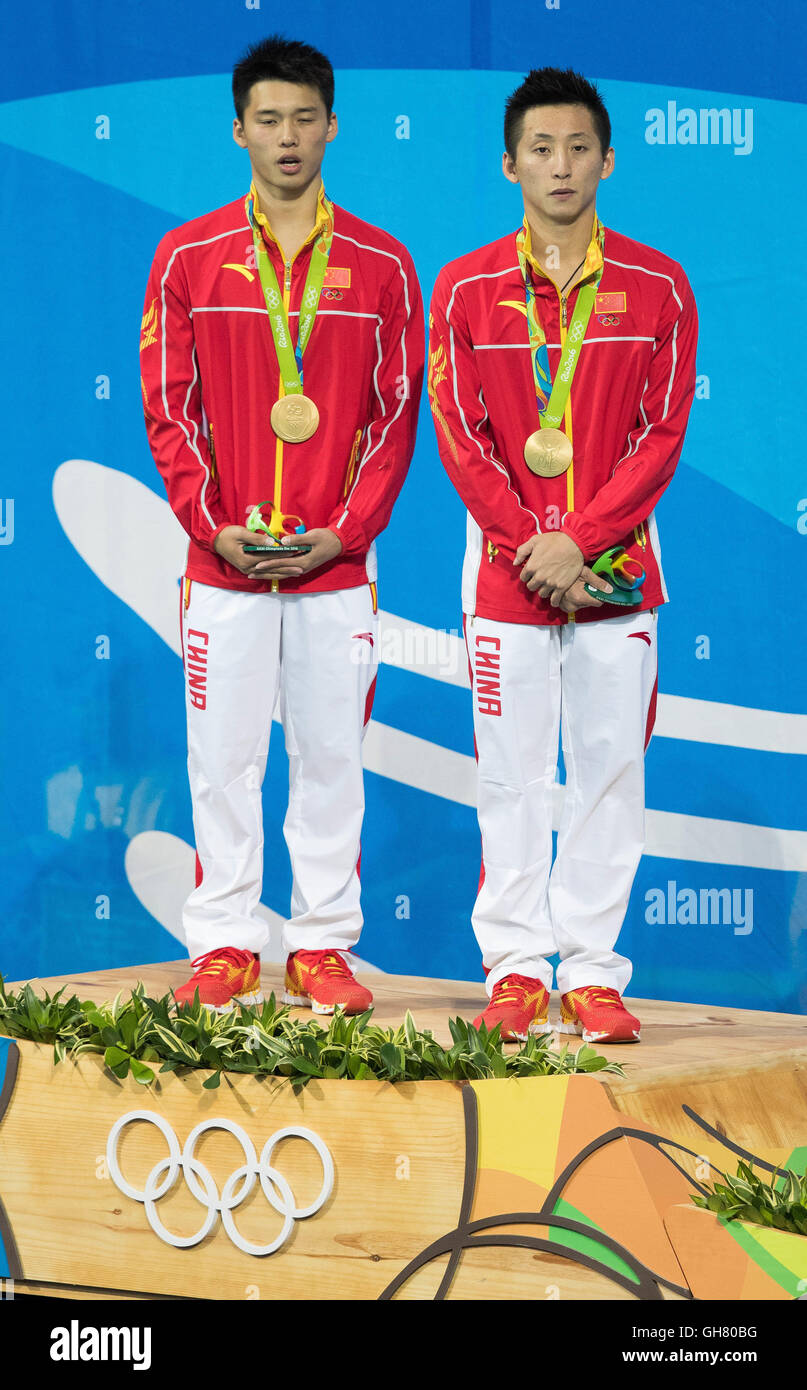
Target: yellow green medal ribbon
{"points": [[290, 359], [552, 398]]}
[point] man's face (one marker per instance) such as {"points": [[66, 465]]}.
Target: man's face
{"points": [[558, 162], [285, 129]]}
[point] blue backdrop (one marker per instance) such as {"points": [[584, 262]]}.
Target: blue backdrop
{"points": [[115, 126]]}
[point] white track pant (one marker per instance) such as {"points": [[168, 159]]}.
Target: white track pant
{"points": [[319, 653], [596, 683]]}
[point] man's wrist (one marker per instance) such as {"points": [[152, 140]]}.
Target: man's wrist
{"points": [[214, 537], [350, 534], [570, 534]]}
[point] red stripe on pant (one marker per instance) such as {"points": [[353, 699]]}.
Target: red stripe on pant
{"points": [[476, 750], [368, 704], [182, 619], [651, 715], [368, 709]]}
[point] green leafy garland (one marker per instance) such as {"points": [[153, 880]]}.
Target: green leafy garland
{"points": [[780, 1204], [135, 1033]]}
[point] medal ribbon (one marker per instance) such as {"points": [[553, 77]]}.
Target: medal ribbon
{"points": [[552, 407], [289, 359]]}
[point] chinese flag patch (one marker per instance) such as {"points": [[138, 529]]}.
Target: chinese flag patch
{"points": [[337, 277], [611, 302]]}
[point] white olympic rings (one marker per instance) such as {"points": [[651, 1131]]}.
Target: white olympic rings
{"points": [[273, 1184]]}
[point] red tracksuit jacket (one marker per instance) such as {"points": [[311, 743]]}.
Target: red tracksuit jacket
{"points": [[626, 414], [210, 377]]}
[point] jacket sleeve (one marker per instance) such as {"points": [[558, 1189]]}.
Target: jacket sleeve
{"points": [[388, 440], [654, 445], [464, 439], [172, 400]]}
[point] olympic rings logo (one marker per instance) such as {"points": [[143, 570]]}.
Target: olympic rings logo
{"points": [[273, 1184], [311, 298], [609, 320], [272, 298], [576, 332]]}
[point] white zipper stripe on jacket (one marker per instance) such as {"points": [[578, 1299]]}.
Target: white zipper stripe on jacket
{"points": [[187, 422], [495, 347], [649, 424], [294, 314], [491, 459], [659, 275], [371, 448]]}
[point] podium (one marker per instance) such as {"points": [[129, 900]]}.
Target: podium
{"points": [[570, 1187]]}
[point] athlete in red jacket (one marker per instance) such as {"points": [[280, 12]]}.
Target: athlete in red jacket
{"points": [[282, 358], [561, 374]]}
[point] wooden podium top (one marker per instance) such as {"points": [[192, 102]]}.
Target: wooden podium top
{"points": [[677, 1039]]}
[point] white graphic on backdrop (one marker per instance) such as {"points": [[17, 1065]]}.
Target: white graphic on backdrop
{"points": [[86, 494], [274, 1185]]}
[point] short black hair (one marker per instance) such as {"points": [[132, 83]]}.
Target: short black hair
{"points": [[554, 87], [281, 60]]}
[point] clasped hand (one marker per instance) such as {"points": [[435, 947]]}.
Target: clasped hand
{"points": [[553, 566], [230, 542]]}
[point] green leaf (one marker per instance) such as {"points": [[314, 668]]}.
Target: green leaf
{"points": [[743, 1189], [593, 1064], [127, 1024], [176, 1044], [498, 1065], [307, 1067], [457, 1029], [133, 1032], [212, 1082], [308, 1042]]}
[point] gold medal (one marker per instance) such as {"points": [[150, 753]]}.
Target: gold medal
{"points": [[294, 418], [548, 453]]}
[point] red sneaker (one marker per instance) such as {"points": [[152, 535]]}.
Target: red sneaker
{"points": [[323, 981], [224, 977], [599, 1014], [520, 1005]]}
